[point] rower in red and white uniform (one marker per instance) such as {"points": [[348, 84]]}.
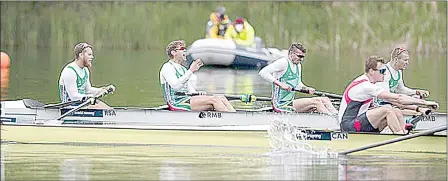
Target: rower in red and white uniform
{"points": [[354, 112]]}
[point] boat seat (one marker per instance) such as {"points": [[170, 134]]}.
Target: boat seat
{"points": [[30, 103]]}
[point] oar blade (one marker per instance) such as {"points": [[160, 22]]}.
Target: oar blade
{"points": [[394, 140]]}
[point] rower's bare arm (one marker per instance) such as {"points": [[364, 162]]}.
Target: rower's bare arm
{"points": [[93, 90], [403, 106], [404, 99], [401, 88]]}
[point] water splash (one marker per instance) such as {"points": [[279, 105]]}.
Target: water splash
{"points": [[285, 137]]}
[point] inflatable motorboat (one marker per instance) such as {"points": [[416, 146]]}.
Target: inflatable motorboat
{"points": [[225, 53]]}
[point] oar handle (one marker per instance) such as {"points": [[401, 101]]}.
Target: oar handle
{"points": [[246, 98], [86, 102], [318, 93]]}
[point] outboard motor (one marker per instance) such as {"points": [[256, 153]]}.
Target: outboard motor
{"points": [[259, 42]]}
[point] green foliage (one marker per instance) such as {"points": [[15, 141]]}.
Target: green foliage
{"points": [[347, 26]]}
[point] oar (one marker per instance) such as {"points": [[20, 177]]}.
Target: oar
{"points": [[318, 93], [85, 103], [419, 117], [427, 132], [61, 105], [65, 104], [244, 97]]}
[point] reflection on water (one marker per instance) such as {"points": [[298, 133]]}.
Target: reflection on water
{"points": [[171, 162], [393, 168], [174, 170], [75, 169], [296, 165]]}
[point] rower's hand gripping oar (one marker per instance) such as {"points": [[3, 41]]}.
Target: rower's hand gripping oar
{"points": [[89, 100], [411, 124], [318, 93], [246, 98], [85, 102], [110, 88]]}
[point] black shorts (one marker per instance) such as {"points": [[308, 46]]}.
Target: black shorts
{"points": [[358, 124]]}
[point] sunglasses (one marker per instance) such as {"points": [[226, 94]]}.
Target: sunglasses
{"points": [[84, 46], [400, 50], [181, 48], [382, 71], [300, 56]]}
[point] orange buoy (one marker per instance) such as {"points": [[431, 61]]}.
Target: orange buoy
{"points": [[4, 60], [4, 83]]}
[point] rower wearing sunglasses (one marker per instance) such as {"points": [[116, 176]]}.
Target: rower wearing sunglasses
{"points": [[393, 82], [285, 74], [354, 112], [176, 78]]}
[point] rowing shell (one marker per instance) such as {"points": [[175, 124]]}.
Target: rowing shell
{"points": [[31, 112], [154, 126]]}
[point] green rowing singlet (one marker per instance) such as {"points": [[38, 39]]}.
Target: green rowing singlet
{"points": [[281, 98]]}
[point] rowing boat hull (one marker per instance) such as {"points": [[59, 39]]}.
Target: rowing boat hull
{"points": [[156, 117], [18, 112], [102, 136]]}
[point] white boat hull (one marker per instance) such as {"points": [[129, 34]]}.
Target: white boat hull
{"points": [[16, 112], [221, 52]]}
